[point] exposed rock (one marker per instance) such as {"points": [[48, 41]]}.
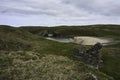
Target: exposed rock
{"points": [[90, 76], [91, 56], [47, 33]]}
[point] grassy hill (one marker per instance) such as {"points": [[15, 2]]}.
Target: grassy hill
{"points": [[25, 55], [15, 39], [91, 30]]}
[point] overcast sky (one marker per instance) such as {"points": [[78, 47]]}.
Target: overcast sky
{"points": [[59, 12]]}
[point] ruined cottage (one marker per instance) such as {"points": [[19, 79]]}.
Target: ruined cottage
{"points": [[90, 56]]}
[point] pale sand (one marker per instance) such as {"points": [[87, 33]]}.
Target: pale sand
{"points": [[85, 40]]}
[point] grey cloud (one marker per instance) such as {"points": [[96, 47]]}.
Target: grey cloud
{"points": [[106, 7], [71, 11], [60, 7], [28, 7], [14, 11]]}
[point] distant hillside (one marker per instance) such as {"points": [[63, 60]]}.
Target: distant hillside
{"points": [[90, 30]]}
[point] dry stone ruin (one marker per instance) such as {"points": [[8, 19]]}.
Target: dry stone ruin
{"points": [[91, 56]]}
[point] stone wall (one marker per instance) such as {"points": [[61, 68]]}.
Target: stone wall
{"points": [[91, 56]]}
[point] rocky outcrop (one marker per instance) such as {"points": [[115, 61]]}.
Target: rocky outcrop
{"points": [[47, 33], [91, 56], [90, 76]]}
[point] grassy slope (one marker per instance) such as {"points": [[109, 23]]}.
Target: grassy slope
{"points": [[111, 59], [96, 30], [48, 59], [15, 39], [111, 54]]}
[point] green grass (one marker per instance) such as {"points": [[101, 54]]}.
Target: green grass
{"points": [[15, 39], [25, 55], [27, 65], [111, 59], [92, 30]]}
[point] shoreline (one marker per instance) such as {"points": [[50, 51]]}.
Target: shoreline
{"points": [[83, 40]]}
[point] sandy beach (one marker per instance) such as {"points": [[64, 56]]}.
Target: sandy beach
{"points": [[86, 40], [83, 40]]}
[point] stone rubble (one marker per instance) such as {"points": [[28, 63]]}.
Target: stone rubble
{"points": [[91, 56]]}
